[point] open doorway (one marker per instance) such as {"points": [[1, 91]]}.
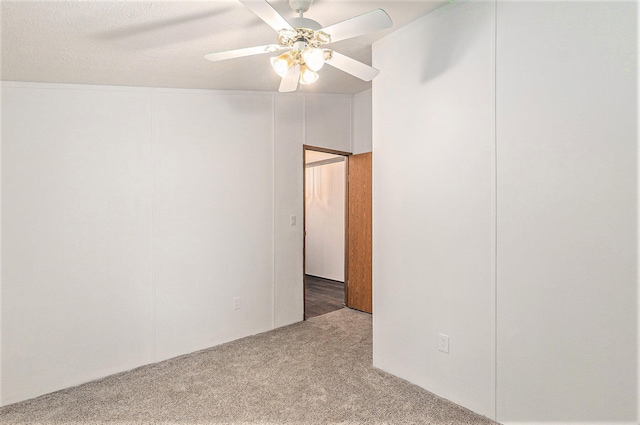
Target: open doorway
{"points": [[325, 203]]}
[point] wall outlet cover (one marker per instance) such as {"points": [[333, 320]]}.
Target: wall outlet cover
{"points": [[443, 343]]}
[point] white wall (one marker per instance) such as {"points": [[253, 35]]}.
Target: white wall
{"points": [[77, 232], [362, 122], [433, 203], [328, 122], [1, 257], [213, 216], [134, 216], [567, 178], [550, 335], [325, 216], [289, 118]]}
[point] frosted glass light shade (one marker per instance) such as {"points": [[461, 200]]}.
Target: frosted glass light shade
{"points": [[313, 58], [282, 63], [307, 76]]}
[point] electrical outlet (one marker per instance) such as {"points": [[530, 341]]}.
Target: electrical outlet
{"points": [[293, 220], [443, 343], [236, 303]]}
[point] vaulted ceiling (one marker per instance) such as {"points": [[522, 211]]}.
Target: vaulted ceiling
{"points": [[162, 43]]}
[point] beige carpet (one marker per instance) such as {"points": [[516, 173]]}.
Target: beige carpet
{"points": [[314, 372]]}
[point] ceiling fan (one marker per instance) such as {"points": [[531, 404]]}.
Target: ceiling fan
{"points": [[304, 41]]}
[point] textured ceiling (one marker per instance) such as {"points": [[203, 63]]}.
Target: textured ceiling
{"points": [[162, 43]]}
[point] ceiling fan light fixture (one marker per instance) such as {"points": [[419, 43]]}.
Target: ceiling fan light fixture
{"points": [[303, 39], [313, 58], [307, 76], [282, 63]]}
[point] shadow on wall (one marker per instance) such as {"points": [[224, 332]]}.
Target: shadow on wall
{"points": [[444, 49]]}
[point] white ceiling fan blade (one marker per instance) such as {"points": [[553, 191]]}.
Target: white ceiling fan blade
{"points": [[238, 53], [267, 13], [353, 67], [290, 81], [359, 25]]}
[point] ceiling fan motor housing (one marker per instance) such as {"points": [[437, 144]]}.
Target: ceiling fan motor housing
{"points": [[305, 23]]}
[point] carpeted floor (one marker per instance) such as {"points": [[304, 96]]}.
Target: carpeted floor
{"points": [[314, 372]]}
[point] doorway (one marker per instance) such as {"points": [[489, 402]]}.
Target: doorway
{"points": [[325, 200], [351, 248]]}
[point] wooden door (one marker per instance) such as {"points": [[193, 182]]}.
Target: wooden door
{"points": [[359, 240]]}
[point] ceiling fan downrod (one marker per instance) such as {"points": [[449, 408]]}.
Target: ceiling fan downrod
{"points": [[300, 22]]}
